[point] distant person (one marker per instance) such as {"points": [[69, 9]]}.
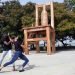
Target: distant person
{"points": [[18, 53], [6, 45]]}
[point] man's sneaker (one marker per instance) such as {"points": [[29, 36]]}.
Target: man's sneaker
{"points": [[21, 70]]}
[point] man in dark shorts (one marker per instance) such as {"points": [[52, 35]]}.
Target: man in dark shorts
{"points": [[6, 45]]}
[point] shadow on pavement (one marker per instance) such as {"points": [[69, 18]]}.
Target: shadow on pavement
{"points": [[30, 67], [27, 68]]}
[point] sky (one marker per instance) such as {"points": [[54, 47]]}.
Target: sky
{"points": [[36, 1]]}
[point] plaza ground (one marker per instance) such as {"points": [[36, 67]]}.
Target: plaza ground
{"points": [[60, 63]]}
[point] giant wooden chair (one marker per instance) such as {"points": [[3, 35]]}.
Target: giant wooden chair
{"points": [[44, 31]]}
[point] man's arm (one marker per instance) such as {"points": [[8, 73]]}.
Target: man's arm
{"points": [[7, 43]]}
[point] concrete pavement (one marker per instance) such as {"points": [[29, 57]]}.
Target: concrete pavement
{"points": [[60, 63]]}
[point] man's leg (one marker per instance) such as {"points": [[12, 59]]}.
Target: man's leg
{"points": [[23, 57], [11, 55], [15, 57], [3, 56]]}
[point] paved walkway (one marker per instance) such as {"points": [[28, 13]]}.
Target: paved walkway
{"points": [[60, 63]]}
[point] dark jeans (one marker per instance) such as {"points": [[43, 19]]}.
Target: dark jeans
{"points": [[15, 57]]}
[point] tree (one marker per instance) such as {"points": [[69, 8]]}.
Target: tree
{"points": [[28, 17], [15, 16], [70, 4], [64, 21], [12, 12]]}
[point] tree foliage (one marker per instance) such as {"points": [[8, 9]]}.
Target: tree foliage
{"points": [[28, 17], [64, 21], [15, 16], [70, 4]]}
